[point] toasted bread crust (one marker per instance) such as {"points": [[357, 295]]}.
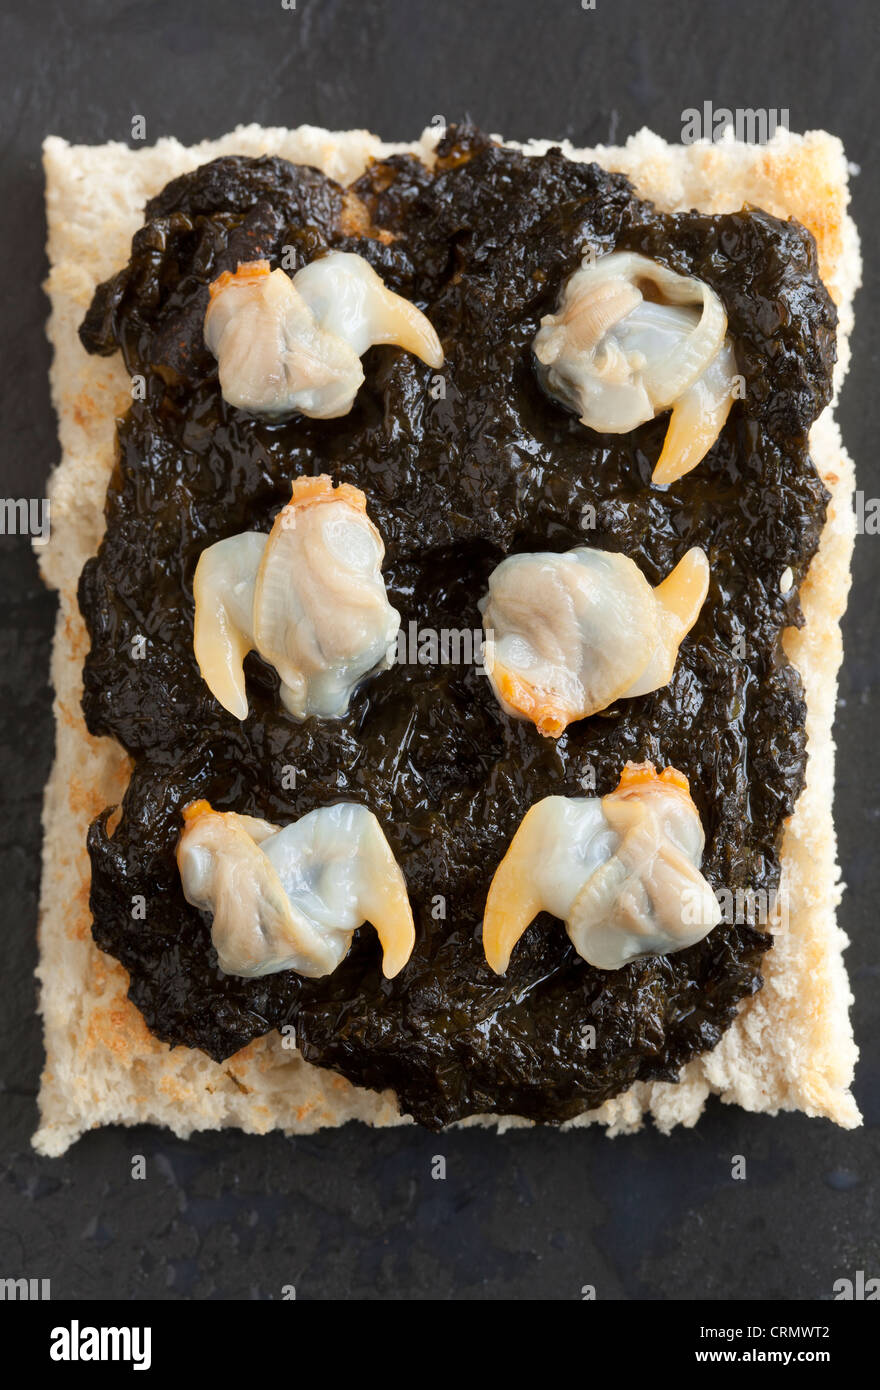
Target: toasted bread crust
{"points": [[790, 1048]]}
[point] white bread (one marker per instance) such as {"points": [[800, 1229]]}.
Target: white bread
{"points": [[791, 1046]]}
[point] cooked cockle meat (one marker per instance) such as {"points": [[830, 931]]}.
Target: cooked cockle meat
{"points": [[273, 356], [292, 898], [294, 345], [622, 872], [309, 597], [321, 612], [568, 634], [351, 301], [625, 345], [223, 630]]}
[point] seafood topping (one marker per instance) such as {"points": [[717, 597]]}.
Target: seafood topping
{"points": [[309, 597], [292, 898], [294, 345], [568, 634], [628, 342], [622, 872]]}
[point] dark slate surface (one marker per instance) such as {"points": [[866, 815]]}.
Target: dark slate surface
{"points": [[355, 1213]]}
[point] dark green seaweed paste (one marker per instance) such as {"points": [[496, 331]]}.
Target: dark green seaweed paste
{"points": [[454, 482]]}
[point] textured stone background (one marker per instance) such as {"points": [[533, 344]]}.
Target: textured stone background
{"points": [[356, 1214]]}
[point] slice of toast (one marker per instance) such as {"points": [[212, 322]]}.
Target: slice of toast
{"points": [[790, 1048]]}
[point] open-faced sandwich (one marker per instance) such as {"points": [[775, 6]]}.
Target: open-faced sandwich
{"points": [[451, 542]]}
